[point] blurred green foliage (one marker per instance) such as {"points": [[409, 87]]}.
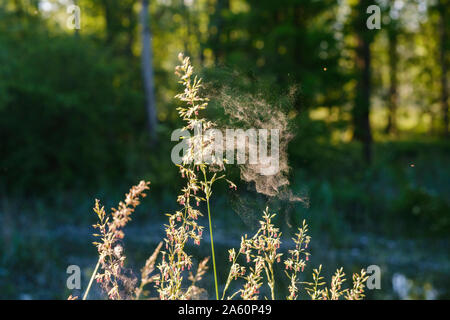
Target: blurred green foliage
{"points": [[73, 119]]}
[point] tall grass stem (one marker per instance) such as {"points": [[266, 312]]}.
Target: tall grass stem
{"points": [[212, 250], [92, 279]]}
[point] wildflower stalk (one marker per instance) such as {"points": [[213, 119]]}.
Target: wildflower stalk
{"points": [[232, 274], [212, 249], [207, 196], [270, 279], [182, 225], [91, 280], [193, 290], [111, 258], [295, 263], [262, 250], [147, 270]]}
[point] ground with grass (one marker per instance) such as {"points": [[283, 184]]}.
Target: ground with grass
{"points": [[400, 222]]}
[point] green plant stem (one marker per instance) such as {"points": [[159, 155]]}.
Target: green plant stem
{"points": [[229, 279], [212, 249], [92, 279], [272, 282]]}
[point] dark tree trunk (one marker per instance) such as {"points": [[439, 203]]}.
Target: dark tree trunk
{"points": [[187, 22], [361, 109], [218, 23], [393, 95], [108, 7], [443, 61], [147, 71]]}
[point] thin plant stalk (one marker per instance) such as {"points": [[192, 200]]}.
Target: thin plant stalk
{"points": [[207, 194], [230, 278], [212, 250], [270, 278], [91, 280]]}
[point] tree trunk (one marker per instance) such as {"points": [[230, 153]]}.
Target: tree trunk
{"points": [[443, 61], [108, 7], [187, 22], [393, 95], [219, 23], [362, 131], [361, 109], [147, 71]]}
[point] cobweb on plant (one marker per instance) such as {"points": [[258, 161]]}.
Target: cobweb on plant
{"points": [[247, 111]]}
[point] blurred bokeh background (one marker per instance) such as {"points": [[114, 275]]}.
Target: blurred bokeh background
{"points": [[371, 151]]}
